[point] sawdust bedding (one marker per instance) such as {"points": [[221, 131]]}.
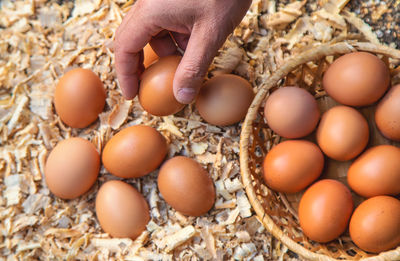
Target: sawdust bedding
{"points": [[40, 40]]}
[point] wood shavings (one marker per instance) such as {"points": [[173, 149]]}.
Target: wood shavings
{"points": [[119, 114], [76, 246], [168, 125], [221, 190], [361, 26], [35, 203], [232, 216], [112, 244], [225, 204], [178, 238], [206, 158], [22, 101], [233, 185], [247, 250], [334, 6], [298, 30], [22, 222], [210, 241], [243, 204], [228, 59], [243, 236], [284, 16], [15, 185], [335, 19], [62, 232], [41, 104], [322, 31], [199, 148], [27, 246], [83, 7]]}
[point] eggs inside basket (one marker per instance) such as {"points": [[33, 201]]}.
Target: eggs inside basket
{"points": [[282, 208]]}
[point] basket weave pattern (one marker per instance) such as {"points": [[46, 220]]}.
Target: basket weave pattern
{"points": [[275, 210]]}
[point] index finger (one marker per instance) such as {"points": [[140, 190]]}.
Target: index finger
{"points": [[131, 36]]}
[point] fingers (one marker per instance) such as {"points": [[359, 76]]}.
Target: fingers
{"points": [[132, 35], [181, 39], [163, 44], [202, 47]]}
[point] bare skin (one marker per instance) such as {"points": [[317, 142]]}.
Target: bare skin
{"points": [[200, 27]]}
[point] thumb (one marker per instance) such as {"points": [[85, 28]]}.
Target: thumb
{"points": [[202, 47]]}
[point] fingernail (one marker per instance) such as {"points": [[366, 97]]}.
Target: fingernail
{"points": [[186, 95]]}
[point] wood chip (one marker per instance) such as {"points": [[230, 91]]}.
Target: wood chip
{"points": [[178, 238]]}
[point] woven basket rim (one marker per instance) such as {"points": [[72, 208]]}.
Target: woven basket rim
{"points": [[289, 65]]}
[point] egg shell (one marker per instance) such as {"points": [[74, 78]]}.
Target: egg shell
{"points": [[325, 210], [79, 97], [342, 133], [376, 172], [292, 165], [149, 56], [121, 210], [387, 114], [356, 79], [186, 186], [156, 93], [72, 168], [134, 152], [291, 112], [224, 99], [375, 224]]}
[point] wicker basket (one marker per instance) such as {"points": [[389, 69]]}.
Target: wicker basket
{"points": [[277, 211]]}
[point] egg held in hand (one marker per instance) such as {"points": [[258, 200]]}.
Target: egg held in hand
{"points": [[224, 99], [186, 186], [121, 210], [292, 165], [79, 98], [72, 168], [156, 93], [134, 151], [291, 112]]}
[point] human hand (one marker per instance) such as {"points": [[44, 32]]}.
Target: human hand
{"points": [[198, 27]]}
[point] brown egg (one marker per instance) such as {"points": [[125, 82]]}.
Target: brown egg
{"points": [[342, 133], [155, 92], [79, 98], [134, 152], [291, 112], [121, 210], [376, 172], [224, 99], [186, 186], [357, 79], [325, 210], [72, 168], [149, 56], [387, 115], [292, 165], [375, 224]]}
